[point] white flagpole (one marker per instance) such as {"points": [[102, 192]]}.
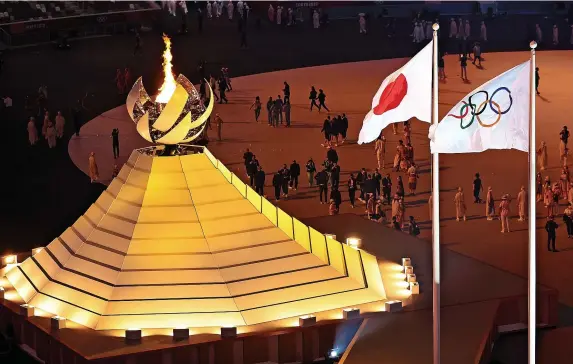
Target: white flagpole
{"points": [[532, 321], [435, 208]]}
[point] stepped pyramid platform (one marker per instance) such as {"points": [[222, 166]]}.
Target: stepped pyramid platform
{"points": [[180, 241]]}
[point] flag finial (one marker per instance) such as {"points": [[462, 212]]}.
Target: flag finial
{"points": [[436, 26], [533, 44]]}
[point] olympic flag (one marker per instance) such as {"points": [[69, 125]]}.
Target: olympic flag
{"points": [[405, 94], [496, 115]]}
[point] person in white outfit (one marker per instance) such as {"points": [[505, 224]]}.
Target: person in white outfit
{"points": [[362, 23], [271, 13], [32, 131], [538, 33], [467, 30], [279, 15], [209, 10], [419, 33], [483, 32], [429, 31], [315, 20], [230, 9], [247, 9], [240, 7], [461, 33], [290, 17], [60, 123], [555, 34], [453, 28]]}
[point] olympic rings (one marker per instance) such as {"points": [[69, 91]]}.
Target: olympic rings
{"points": [[470, 108]]}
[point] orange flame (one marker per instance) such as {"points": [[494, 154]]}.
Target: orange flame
{"points": [[169, 84]]}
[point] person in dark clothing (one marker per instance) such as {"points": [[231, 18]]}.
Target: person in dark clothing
{"points": [[370, 185], [312, 98], [202, 89], [137, 43], [321, 99], [537, 78], [343, 127], [322, 182], [277, 184], [294, 173], [278, 110], [247, 158], [252, 169], [286, 91], [564, 135], [260, 181], [243, 38], [222, 89], [463, 66], [115, 142], [270, 107], [286, 177], [335, 195], [326, 130], [335, 175], [377, 177], [360, 181], [551, 227], [413, 228], [310, 171], [396, 224], [386, 189], [331, 155], [352, 189], [336, 126], [478, 187]]}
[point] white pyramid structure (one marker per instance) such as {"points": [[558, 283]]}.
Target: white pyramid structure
{"points": [[181, 241]]}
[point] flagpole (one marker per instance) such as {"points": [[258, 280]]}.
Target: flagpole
{"points": [[435, 208], [532, 309]]}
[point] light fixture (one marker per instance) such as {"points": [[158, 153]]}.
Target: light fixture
{"points": [[330, 236], [228, 332], [350, 313], [411, 278], [306, 321], [58, 322], [27, 310], [10, 259], [333, 354], [353, 242], [406, 262], [414, 288], [2, 293], [36, 250], [180, 333], [408, 270], [393, 306], [133, 335]]}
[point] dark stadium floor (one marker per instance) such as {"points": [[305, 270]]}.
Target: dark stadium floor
{"points": [[43, 191]]}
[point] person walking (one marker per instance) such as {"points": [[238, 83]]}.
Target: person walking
{"points": [[294, 174], [93, 169], [463, 66], [270, 107], [312, 97], [335, 195], [277, 184], [219, 123], [460, 203], [321, 99], [362, 23], [489, 204], [223, 85], [521, 203], [286, 178], [322, 182], [477, 54], [343, 127], [542, 156], [45, 123], [352, 189], [380, 149], [51, 135], [310, 170], [386, 188], [213, 83], [412, 179], [551, 227], [32, 131], [115, 142], [441, 67], [332, 209], [260, 181], [286, 91], [504, 213], [453, 28], [327, 130], [286, 109], [478, 188], [257, 106], [483, 32]]}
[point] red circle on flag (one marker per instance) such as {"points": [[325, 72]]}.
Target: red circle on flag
{"points": [[392, 96]]}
